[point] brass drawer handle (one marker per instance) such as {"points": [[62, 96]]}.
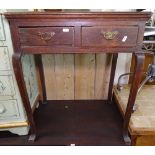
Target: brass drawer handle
{"points": [[109, 35], [46, 35]]}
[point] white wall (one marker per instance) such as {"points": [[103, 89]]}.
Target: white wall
{"points": [[123, 66]]}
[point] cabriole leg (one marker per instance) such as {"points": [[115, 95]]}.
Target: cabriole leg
{"points": [[138, 70], [17, 66]]}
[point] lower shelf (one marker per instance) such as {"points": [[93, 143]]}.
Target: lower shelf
{"points": [[74, 122]]}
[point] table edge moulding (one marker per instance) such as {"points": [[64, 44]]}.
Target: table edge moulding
{"points": [[86, 32]]}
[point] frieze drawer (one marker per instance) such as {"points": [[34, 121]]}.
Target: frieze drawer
{"points": [[46, 36], [4, 59], [103, 36], [8, 109], [6, 85]]}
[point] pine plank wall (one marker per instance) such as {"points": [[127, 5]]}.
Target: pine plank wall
{"points": [[77, 76]]}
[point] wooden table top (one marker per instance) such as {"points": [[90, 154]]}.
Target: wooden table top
{"points": [[82, 14], [143, 119]]}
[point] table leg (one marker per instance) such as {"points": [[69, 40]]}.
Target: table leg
{"points": [[38, 60], [138, 70], [112, 76], [17, 66]]}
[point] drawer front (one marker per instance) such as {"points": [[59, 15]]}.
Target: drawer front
{"points": [[6, 85], [4, 59], [108, 36], [2, 36], [46, 36], [8, 109]]}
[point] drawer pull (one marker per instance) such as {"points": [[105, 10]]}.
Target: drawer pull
{"points": [[109, 35], [46, 35], [2, 109]]}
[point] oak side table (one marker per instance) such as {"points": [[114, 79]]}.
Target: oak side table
{"points": [[40, 33]]}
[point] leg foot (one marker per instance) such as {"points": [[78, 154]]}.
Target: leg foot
{"points": [[32, 138], [44, 102], [127, 139], [110, 102]]}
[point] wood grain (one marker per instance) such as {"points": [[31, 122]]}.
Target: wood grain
{"points": [[99, 38], [107, 75], [43, 36], [142, 120], [77, 77], [78, 20], [48, 63], [59, 76], [64, 65], [148, 140], [102, 75], [84, 76]]}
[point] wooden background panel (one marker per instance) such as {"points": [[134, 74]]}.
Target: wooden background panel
{"points": [[84, 76], [79, 76], [64, 76], [59, 76], [102, 75], [49, 72], [107, 75]]}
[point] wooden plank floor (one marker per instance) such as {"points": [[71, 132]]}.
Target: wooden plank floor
{"points": [[73, 122]]}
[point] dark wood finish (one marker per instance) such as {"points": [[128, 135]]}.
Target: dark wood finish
{"points": [[133, 92], [95, 36], [47, 36], [84, 37], [50, 10], [83, 123], [115, 16], [50, 50], [113, 68], [17, 66], [133, 140], [38, 60]]}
